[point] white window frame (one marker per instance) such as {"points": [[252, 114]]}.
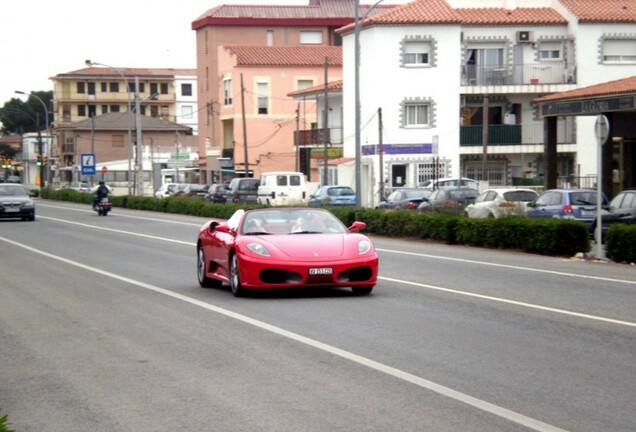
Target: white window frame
{"points": [[417, 53], [187, 111], [550, 51], [619, 51], [227, 90], [262, 104], [417, 114]]}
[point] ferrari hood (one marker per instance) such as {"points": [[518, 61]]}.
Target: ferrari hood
{"points": [[302, 246]]}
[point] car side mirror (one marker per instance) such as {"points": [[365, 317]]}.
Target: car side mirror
{"points": [[357, 226]]}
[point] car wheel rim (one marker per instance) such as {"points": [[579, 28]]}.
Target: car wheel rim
{"points": [[234, 275], [201, 265]]}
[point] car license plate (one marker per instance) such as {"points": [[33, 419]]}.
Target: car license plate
{"points": [[320, 271], [588, 212], [12, 210]]}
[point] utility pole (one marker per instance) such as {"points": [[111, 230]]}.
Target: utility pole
{"points": [[244, 126], [297, 137], [139, 167], [176, 166], [484, 141], [325, 131]]}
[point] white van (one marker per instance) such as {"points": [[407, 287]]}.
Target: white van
{"points": [[282, 189]]}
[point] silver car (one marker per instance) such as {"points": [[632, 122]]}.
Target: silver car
{"points": [[16, 202]]}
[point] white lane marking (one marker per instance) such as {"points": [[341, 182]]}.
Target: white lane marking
{"points": [[529, 269], [513, 302], [482, 405], [433, 287], [103, 228], [118, 214]]}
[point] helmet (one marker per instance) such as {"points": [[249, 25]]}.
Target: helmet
{"points": [[101, 182]]}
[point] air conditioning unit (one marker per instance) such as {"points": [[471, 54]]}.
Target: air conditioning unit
{"points": [[524, 36]]}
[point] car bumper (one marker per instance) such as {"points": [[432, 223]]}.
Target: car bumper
{"points": [[262, 274]]}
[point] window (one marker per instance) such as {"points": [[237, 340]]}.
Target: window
{"points": [[81, 87], [114, 87], [416, 115], [270, 37], [550, 51], [304, 84], [186, 89], [165, 111], [163, 88], [619, 50], [91, 88], [154, 88], [186, 111], [417, 53], [227, 91], [81, 110], [114, 108], [104, 87], [263, 100], [92, 110], [104, 109], [311, 37]]}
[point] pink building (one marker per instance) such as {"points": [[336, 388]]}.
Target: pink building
{"points": [[221, 143]]}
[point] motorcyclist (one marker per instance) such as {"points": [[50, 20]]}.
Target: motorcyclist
{"points": [[101, 192]]}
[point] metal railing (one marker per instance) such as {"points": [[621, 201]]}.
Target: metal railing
{"points": [[548, 72], [500, 135], [317, 136]]}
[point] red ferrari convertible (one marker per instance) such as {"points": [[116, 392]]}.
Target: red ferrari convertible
{"points": [[268, 248]]}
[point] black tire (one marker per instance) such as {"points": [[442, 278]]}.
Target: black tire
{"points": [[204, 281], [359, 291], [235, 279]]}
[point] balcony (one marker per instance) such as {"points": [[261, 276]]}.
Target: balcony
{"points": [[553, 72], [506, 135], [311, 137]]}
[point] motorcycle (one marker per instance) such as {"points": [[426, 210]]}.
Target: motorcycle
{"points": [[103, 206]]}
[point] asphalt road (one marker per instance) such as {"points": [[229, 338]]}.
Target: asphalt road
{"points": [[103, 327]]}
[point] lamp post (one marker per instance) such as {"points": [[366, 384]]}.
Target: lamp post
{"points": [[92, 63], [358, 153], [46, 126]]}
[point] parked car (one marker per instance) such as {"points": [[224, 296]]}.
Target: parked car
{"points": [[79, 187], [166, 190], [450, 182], [621, 209], [216, 193], [499, 202], [16, 202], [194, 190], [243, 190], [405, 198], [277, 248], [575, 204], [451, 200], [332, 196]]}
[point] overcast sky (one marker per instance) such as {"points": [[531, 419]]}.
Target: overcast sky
{"points": [[42, 38]]}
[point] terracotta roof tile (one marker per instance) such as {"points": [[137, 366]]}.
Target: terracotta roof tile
{"points": [[286, 55], [621, 86], [501, 16], [331, 86], [418, 12], [128, 72], [598, 11], [337, 11]]}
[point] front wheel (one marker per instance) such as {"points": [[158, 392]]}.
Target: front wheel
{"points": [[235, 279], [204, 281]]}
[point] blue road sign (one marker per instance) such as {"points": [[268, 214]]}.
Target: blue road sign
{"points": [[88, 163]]}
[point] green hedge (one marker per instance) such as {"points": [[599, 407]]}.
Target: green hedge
{"points": [[542, 236], [620, 243]]}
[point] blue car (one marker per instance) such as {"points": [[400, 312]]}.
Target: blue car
{"points": [[576, 204], [333, 196]]}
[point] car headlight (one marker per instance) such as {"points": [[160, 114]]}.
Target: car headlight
{"points": [[364, 246], [28, 204], [258, 249]]}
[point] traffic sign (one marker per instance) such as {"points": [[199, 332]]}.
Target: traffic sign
{"points": [[601, 129], [88, 163]]}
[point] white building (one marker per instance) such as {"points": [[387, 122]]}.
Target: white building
{"points": [[30, 176], [435, 67]]}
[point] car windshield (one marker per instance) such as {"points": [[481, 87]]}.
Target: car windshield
{"points": [[340, 191], [291, 221], [522, 196], [583, 198], [416, 193], [6, 190]]}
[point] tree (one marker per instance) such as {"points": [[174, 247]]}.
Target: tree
{"points": [[21, 117]]}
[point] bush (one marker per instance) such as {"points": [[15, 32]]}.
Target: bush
{"points": [[4, 424], [620, 243]]}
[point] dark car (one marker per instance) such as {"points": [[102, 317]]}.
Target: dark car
{"points": [[333, 196], [16, 202], [575, 204], [405, 198], [449, 200], [243, 190], [216, 193], [621, 209]]}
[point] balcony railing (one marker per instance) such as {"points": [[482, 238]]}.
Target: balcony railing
{"points": [[552, 72], [317, 136], [504, 135]]}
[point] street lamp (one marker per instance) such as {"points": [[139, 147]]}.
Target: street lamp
{"points": [[358, 153], [92, 63], [46, 126]]}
